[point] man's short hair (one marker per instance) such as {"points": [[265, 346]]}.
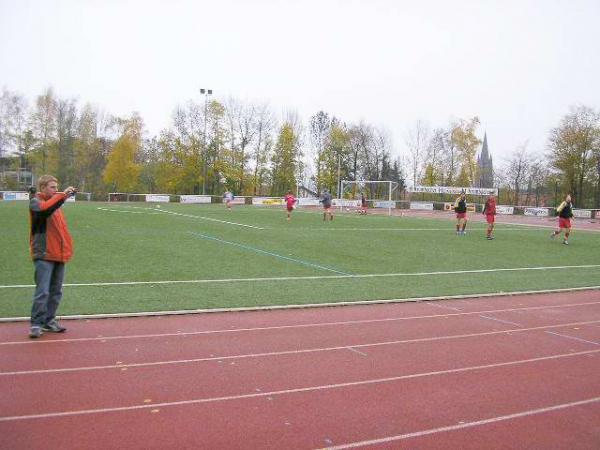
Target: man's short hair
{"points": [[44, 180]]}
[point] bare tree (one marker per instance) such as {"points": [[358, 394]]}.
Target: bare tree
{"points": [[437, 151], [13, 114], [319, 130], [265, 124], [242, 119], [417, 141], [360, 141], [517, 171], [575, 149], [43, 123]]}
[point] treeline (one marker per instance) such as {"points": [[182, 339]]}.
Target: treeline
{"points": [[570, 162], [216, 145], [208, 148]]}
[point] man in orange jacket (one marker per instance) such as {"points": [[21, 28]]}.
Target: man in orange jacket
{"points": [[51, 247]]}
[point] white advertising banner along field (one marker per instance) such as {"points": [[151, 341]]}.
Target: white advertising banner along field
{"points": [[157, 198], [538, 212], [421, 205], [267, 201], [453, 190], [10, 195], [308, 201], [195, 199], [582, 213], [507, 210], [238, 201], [384, 204], [345, 203]]}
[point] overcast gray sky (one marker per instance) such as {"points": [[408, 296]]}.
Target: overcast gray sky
{"points": [[518, 65]]}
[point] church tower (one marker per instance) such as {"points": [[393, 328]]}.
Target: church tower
{"points": [[485, 167]]}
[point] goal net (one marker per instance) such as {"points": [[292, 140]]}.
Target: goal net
{"points": [[377, 194]]}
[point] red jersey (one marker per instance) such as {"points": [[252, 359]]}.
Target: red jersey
{"points": [[290, 200], [490, 207]]}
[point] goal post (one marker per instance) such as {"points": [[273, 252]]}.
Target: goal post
{"points": [[377, 193]]}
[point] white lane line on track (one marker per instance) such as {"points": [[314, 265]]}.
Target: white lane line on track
{"points": [[285, 327], [573, 337], [286, 352], [443, 306], [297, 390], [357, 351], [530, 412], [450, 231], [501, 321], [317, 277]]}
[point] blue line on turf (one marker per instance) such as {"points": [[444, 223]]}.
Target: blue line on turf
{"points": [[254, 249]]}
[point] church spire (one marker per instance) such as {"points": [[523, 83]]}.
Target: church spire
{"points": [[484, 149], [485, 165]]}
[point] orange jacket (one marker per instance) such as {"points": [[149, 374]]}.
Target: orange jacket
{"points": [[49, 237]]}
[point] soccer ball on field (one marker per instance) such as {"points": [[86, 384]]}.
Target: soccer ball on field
{"points": [[157, 206]]}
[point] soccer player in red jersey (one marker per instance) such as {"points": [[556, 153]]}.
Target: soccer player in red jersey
{"points": [[565, 214], [290, 202], [489, 210]]}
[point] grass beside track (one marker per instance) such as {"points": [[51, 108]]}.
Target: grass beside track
{"points": [[135, 242]]}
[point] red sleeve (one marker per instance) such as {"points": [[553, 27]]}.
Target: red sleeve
{"points": [[47, 207]]}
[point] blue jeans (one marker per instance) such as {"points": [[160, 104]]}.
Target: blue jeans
{"points": [[49, 276]]}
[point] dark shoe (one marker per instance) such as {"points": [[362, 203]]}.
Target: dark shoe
{"points": [[35, 332], [53, 327]]}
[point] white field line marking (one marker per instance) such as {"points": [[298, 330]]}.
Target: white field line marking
{"points": [[297, 390], [286, 327], [211, 219], [285, 352], [161, 211], [356, 351], [449, 217], [501, 321], [573, 337], [554, 227], [502, 223], [317, 277], [125, 211], [415, 434], [264, 252]]}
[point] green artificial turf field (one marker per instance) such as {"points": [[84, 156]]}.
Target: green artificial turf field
{"points": [[203, 256]]}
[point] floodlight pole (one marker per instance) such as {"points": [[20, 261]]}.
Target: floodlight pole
{"points": [[206, 93], [338, 180]]}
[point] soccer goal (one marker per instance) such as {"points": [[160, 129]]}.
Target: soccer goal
{"points": [[378, 195]]}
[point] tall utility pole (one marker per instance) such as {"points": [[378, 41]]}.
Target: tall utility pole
{"points": [[206, 93], [339, 174]]}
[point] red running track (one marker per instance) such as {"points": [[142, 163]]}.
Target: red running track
{"points": [[502, 372]]}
